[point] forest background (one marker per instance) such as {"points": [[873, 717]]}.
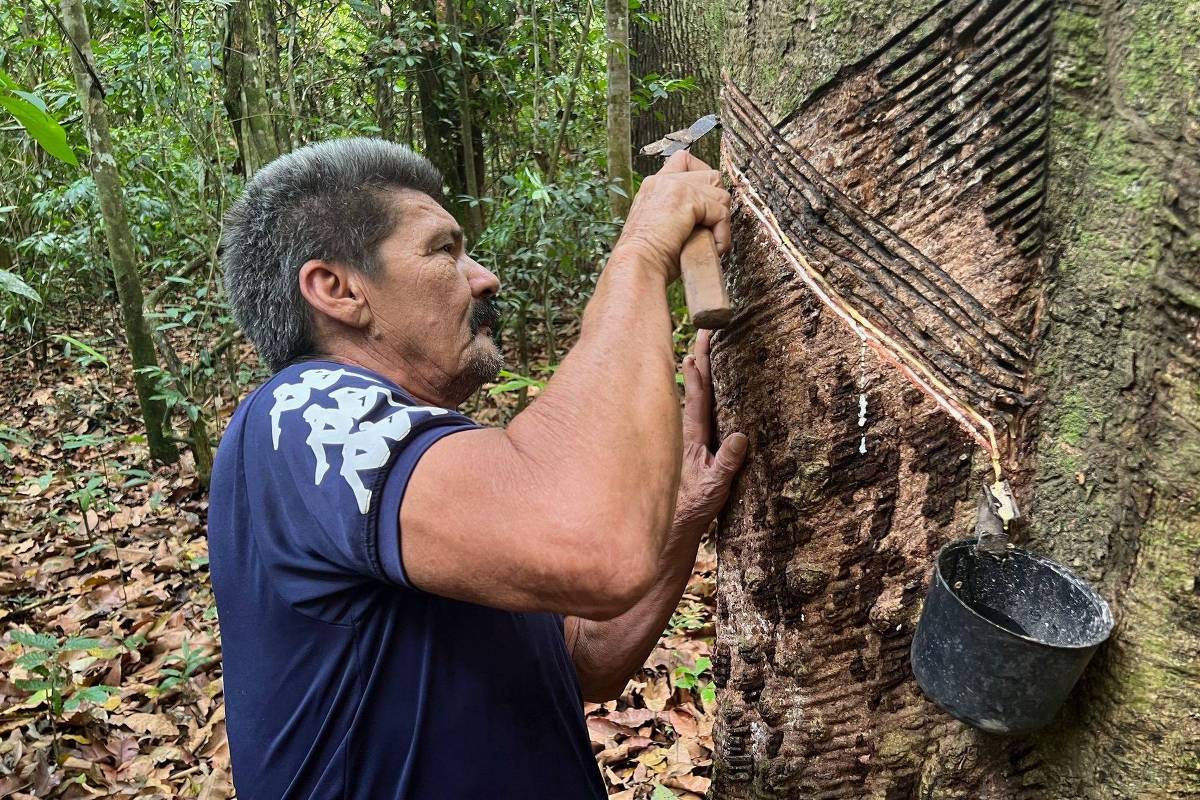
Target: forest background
{"points": [[117, 343]]}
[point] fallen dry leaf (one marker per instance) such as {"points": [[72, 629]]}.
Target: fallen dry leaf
{"points": [[153, 724]]}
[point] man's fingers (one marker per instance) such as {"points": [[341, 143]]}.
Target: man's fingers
{"points": [[731, 454], [696, 407], [714, 214], [683, 161], [676, 163], [703, 339], [723, 236]]}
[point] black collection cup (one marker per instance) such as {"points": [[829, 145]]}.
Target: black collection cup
{"points": [[1002, 640]]}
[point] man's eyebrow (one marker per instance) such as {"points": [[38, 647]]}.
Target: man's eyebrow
{"points": [[454, 232]]}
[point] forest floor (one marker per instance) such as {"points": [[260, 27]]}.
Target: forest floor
{"points": [[110, 653]]}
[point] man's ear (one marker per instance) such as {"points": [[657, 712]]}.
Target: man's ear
{"points": [[335, 290]]}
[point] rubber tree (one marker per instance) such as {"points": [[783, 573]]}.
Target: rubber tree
{"points": [[620, 154], [117, 233], [1083, 246]]}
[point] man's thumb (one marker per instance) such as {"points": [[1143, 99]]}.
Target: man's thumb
{"points": [[732, 453]]}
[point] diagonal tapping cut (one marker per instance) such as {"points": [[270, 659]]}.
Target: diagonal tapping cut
{"points": [[912, 367], [885, 283], [907, 195]]}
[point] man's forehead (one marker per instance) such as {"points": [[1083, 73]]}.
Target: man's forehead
{"points": [[418, 208]]}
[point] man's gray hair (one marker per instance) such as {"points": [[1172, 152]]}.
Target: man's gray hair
{"points": [[324, 201]]}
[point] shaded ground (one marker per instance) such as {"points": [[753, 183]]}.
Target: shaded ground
{"points": [[110, 659]]}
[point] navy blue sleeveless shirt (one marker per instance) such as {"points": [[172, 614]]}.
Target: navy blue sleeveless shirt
{"points": [[342, 680]]}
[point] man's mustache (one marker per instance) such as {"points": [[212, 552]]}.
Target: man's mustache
{"points": [[485, 313]]}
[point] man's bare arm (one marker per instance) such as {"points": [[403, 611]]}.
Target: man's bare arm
{"points": [[607, 653], [568, 508]]}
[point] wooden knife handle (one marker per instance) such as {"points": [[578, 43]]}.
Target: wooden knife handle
{"points": [[703, 283]]}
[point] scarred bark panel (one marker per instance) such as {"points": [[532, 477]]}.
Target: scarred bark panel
{"points": [[824, 551]]}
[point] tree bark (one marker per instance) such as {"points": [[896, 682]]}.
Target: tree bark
{"points": [[473, 210], [1075, 251], [685, 41], [246, 99], [439, 113], [117, 233], [620, 154]]}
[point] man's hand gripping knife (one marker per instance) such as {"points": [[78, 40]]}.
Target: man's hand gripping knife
{"points": [[583, 505]]}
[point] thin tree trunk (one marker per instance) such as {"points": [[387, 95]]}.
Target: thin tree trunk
{"points": [[269, 72], [245, 90], [585, 28], [116, 228], [1031, 172], [474, 212], [439, 119], [620, 156], [385, 82]]}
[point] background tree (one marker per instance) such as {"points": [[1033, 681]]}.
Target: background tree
{"points": [[466, 134], [246, 98], [116, 228], [620, 156], [932, 120], [676, 45]]}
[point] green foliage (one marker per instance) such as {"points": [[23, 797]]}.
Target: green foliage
{"points": [[88, 354], [169, 389], [650, 89], [512, 382], [15, 436], [690, 678], [689, 616], [29, 110], [54, 665], [184, 665], [13, 284], [350, 69]]}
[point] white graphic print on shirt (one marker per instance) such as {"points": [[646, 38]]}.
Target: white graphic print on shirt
{"points": [[364, 444]]}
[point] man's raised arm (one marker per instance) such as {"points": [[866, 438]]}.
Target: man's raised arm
{"points": [[568, 508]]}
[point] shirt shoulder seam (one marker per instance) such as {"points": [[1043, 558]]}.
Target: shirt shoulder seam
{"points": [[371, 520]]}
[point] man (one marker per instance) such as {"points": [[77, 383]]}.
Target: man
{"points": [[413, 606]]}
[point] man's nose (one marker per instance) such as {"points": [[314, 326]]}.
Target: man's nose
{"points": [[484, 282]]}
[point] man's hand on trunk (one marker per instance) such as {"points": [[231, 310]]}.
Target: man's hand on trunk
{"points": [[706, 476], [606, 653]]}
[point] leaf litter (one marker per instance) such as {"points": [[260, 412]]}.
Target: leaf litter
{"points": [[110, 671]]}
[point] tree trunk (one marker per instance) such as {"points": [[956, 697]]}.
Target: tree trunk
{"points": [[269, 74], [620, 155], [121, 250], [473, 210], [439, 113], [1013, 191], [685, 41], [556, 152], [384, 82], [245, 89]]}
